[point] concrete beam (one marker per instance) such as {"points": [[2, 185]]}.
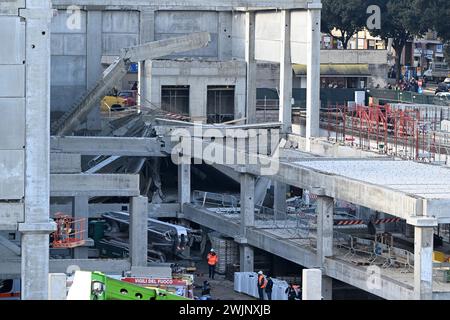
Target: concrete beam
{"points": [[189, 4], [165, 47], [11, 269], [162, 210], [94, 185], [339, 187], [110, 146]]}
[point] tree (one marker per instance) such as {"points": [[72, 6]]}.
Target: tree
{"points": [[401, 20], [346, 16], [436, 14]]}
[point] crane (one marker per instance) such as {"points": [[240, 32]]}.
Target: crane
{"points": [[116, 71]]}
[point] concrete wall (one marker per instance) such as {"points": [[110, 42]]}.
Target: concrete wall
{"points": [[78, 44], [198, 75], [353, 56], [268, 36], [177, 23], [12, 105], [68, 60]]}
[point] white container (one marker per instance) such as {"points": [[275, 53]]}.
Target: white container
{"points": [[237, 282]]}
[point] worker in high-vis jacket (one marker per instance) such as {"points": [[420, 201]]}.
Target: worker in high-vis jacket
{"points": [[262, 282], [212, 259]]}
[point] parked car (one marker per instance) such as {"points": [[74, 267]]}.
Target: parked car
{"points": [[442, 87], [124, 99], [442, 98]]}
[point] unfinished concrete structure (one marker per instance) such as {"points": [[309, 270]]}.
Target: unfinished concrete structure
{"points": [[242, 34]]}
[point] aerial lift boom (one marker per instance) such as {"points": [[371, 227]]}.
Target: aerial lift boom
{"points": [[115, 72]]}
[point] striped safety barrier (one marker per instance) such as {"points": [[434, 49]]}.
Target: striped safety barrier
{"points": [[387, 220], [358, 222], [349, 222]]}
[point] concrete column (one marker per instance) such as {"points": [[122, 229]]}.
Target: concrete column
{"points": [[36, 227], [198, 101], [240, 98], [423, 263], [285, 115], [327, 288], [247, 258], [325, 207], [313, 73], [247, 202], [94, 67], [279, 200], [138, 238], [312, 284], [251, 66], [57, 286], [184, 184], [80, 210], [146, 34]]}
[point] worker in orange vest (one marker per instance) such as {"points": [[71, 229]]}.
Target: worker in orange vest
{"points": [[212, 259], [262, 282]]}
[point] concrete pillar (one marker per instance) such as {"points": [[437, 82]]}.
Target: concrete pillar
{"points": [[251, 66], [423, 263], [36, 227], [184, 184], [80, 210], [240, 98], [198, 101], [138, 238], [57, 286], [94, 67], [247, 202], [285, 115], [325, 207], [247, 258], [327, 288], [313, 73], [279, 200], [312, 284], [146, 34]]}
